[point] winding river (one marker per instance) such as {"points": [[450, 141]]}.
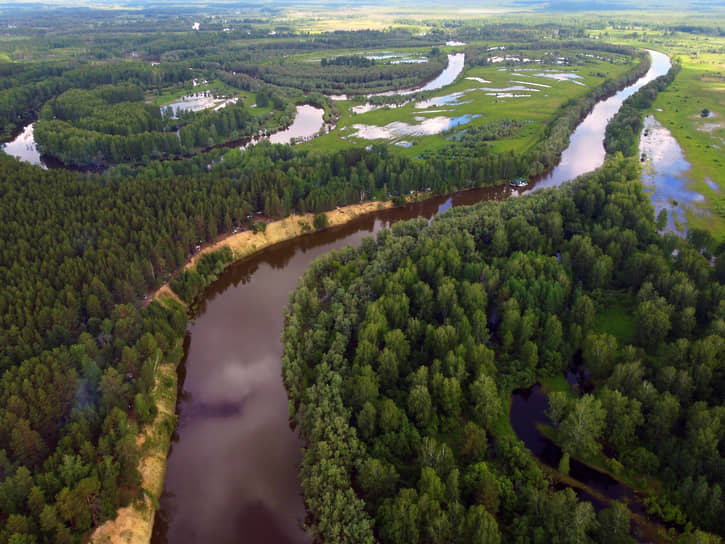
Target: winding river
{"points": [[232, 468]]}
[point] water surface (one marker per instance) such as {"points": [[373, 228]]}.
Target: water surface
{"points": [[196, 102], [665, 174], [232, 468], [423, 127], [586, 145], [308, 122]]}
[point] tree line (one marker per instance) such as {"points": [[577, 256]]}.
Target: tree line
{"points": [[622, 134], [336, 76]]}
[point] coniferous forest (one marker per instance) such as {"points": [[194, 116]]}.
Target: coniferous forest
{"points": [[400, 355]]}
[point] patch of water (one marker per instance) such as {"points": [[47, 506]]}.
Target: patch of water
{"points": [[399, 129], [714, 186], [446, 77], [382, 57], [544, 85], [710, 127], [308, 122], [478, 79], [508, 95], [508, 89], [665, 173], [409, 61], [196, 102], [561, 76], [365, 108], [24, 148], [453, 99], [549, 74], [496, 59]]}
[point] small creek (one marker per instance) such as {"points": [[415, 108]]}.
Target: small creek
{"points": [[528, 408], [232, 468]]}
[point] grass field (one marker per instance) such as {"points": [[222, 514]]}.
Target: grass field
{"points": [[486, 99], [615, 317]]}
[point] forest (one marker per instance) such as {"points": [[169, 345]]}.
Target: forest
{"points": [[400, 355], [409, 345]]}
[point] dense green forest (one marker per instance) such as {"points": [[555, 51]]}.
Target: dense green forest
{"points": [[338, 75], [82, 250], [400, 355]]}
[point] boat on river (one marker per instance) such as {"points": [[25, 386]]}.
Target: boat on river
{"points": [[518, 183]]}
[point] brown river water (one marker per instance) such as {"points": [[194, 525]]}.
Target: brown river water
{"points": [[232, 468]]}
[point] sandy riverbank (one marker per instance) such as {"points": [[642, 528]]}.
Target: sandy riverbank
{"points": [[134, 523], [246, 243]]}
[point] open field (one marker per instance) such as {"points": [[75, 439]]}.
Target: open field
{"points": [[526, 92]]}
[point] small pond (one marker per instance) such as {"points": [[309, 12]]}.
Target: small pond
{"points": [[308, 122]]}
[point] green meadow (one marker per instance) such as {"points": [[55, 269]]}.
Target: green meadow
{"points": [[486, 99]]}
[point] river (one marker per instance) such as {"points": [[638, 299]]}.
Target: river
{"points": [[456, 63], [232, 468]]}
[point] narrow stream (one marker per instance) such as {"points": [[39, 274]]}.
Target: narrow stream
{"points": [[232, 468], [528, 408]]}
